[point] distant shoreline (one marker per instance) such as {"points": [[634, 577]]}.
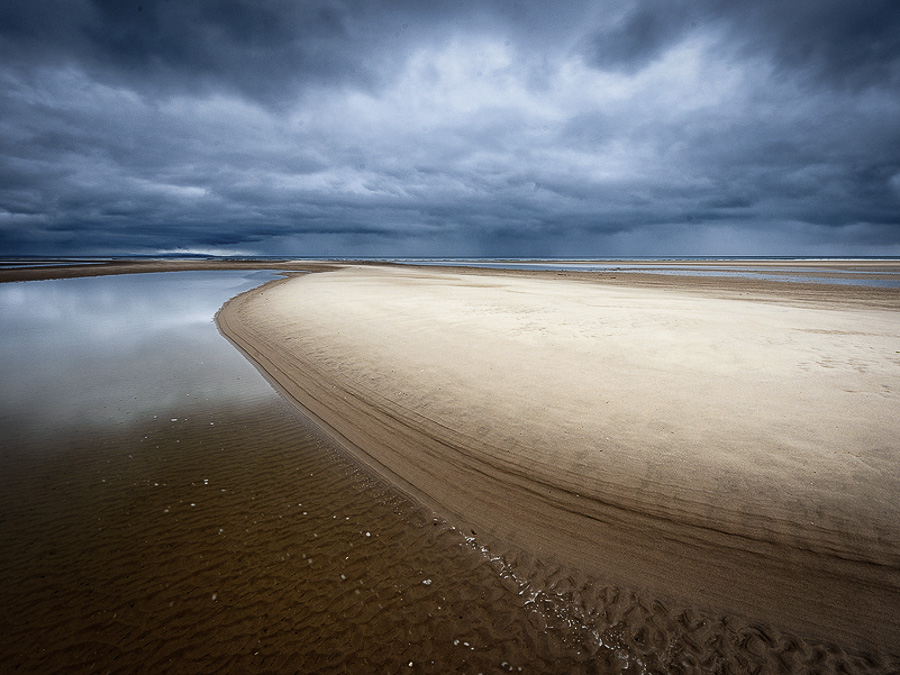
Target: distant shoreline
{"points": [[882, 271], [97, 267]]}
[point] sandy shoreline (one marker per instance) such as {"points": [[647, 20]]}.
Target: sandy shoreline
{"points": [[185, 517], [687, 441], [113, 267]]}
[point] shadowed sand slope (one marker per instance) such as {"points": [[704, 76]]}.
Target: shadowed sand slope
{"points": [[740, 456]]}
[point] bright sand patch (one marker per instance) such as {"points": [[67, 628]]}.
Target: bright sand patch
{"points": [[736, 455]]}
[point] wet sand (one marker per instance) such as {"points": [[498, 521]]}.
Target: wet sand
{"points": [[254, 545], [728, 446], [144, 266], [248, 546]]}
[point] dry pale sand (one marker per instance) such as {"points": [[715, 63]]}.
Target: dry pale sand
{"points": [[737, 455]]}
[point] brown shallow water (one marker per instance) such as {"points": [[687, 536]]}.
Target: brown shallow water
{"points": [[247, 546], [252, 545], [205, 526]]}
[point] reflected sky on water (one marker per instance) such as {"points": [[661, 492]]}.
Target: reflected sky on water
{"points": [[111, 349]]}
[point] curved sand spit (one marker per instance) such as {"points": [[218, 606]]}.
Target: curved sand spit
{"points": [[733, 454]]}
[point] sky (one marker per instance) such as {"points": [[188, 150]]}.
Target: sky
{"points": [[450, 128]]}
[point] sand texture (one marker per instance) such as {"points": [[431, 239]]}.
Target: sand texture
{"points": [[243, 547], [734, 453]]}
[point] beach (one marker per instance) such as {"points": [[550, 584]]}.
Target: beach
{"points": [[478, 470], [729, 446], [163, 509]]}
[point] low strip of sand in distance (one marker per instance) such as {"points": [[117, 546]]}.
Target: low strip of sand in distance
{"points": [[736, 455]]}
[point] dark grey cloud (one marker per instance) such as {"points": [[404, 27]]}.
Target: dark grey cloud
{"points": [[849, 45], [408, 128], [845, 44], [259, 50], [642, 33], [266, 51]]}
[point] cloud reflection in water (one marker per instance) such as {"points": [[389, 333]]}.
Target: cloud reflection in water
{"points": [[109, 350]]}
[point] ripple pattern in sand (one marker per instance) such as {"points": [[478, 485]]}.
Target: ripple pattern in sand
{"points": [[238, 540]]}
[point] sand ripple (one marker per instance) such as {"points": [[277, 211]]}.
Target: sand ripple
{"points": [[254, 545]]}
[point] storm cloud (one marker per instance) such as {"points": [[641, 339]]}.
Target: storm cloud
{"points": [[463, 128]]}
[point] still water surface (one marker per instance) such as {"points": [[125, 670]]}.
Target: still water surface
{"points": [[108, 351]]}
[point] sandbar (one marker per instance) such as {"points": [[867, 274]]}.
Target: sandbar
{"points": [[733, 451]]}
